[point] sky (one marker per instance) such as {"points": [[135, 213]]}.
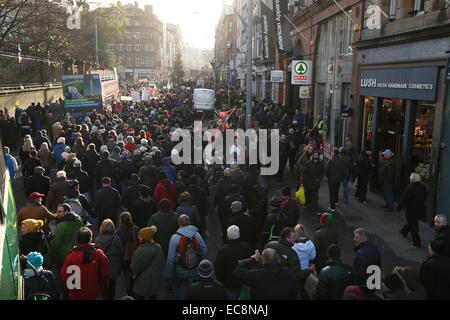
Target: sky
{"points": [[197, 18]]}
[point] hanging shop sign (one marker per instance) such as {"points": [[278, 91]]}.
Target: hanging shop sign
{"points": [[277, 76], [268, 32], [304, 93], [402, 83], [301, 72], [282, 32]]}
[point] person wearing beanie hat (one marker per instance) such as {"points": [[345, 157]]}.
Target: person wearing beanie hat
{"points": [[32, 237], [115, 154], [206, 288], [227, 259], [353, 293], [324, 237], [393, 288], [39, 284], [276, 221], [148, 265]]}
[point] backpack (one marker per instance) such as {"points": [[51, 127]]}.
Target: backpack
{"points": [[189, 254], [37, 288], [279, 223], [76, 207]]}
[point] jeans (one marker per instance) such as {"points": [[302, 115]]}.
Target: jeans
{"points": [[179, 284], [388, 192], [345, 186]]}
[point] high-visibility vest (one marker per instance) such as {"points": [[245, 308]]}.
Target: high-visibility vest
{"points": [[320, 126]]}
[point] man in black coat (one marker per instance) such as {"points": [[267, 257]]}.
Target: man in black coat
{"points": [[442, 231], [105, 168], [206, 288], [107, 202], [224, 209], [245, 222], [290, 205], [199, 199], [364, 167], [38, 182], [228, 258], [89, 162], [143, 208], [81, 176], [30, 164], [336, 172], [414, 198], [271, 282], [435, 272], [366, 255], [133, 191], [313, 173]]}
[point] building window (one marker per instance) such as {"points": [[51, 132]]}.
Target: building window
{"points": [[136, 60], [392, 9], [137, 35], [129, 62], [147, 47], [229, 44], [419, 6], [112, 47], [119, 47], [137, 47], [128, 35], [129, 47], [148, 36], [119, 60]]}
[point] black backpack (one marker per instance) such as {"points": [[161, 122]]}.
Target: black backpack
{"points": [[37, 288]]}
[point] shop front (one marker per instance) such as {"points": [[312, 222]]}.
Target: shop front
{"points": [[399, 107]]}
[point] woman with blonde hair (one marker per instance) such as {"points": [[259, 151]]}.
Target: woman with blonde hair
{"points": [[46, 157], [304, 247], [27, 147], [112, 246]]}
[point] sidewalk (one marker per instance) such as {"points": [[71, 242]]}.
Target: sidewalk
{"points": [[385, 225]]}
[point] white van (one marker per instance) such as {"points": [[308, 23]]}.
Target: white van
{"points": [[204, 100]]}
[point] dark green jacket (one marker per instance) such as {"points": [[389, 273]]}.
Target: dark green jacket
{"points": [[333, 280], [167, 224], [65, 237]]}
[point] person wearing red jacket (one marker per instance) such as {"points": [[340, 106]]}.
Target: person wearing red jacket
{"points": [[165, 190], [93, 269]]}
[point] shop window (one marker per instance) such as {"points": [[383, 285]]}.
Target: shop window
{"points": [[368, 133], [423, 135]]}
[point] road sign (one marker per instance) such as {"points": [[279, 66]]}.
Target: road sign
{"points": [[301, 72], [304, 93]]}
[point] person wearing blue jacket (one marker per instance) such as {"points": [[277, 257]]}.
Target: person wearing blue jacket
{"points": [[59, 149], [366, 255], [11, 163], [169, 169], [178, 277]]}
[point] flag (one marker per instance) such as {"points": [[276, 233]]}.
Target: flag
{"points": [[244, 23]]}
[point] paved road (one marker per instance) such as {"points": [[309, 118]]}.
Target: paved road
{"points": [[309, 219]]}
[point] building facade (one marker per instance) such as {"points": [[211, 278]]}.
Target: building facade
{"points": [[139, 48], [172, 45]]}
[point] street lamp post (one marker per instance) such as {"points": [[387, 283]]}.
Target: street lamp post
{"points": [[249, 63], [96, 42]]}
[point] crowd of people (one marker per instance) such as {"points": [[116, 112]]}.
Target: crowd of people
{"points": [[105, 196]]}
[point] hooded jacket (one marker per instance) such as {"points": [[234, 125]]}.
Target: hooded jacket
{"points": [[65, 237], [270, 282], [306, 252], [58, 150], [189, 232], [94, 271], [165, 189], [82, 177], [141, 210]]}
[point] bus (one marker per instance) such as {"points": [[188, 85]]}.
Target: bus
{"points": [[11, 282], [97, 89]]}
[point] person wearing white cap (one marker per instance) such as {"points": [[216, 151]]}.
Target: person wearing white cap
{"points": [[228, 258], [57, 191], [387, 178], [206, 288]]}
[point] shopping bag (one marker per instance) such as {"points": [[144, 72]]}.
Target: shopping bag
{"points": [[300, 195]]}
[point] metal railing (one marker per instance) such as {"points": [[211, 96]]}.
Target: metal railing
{"points": [[19, 87]]}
